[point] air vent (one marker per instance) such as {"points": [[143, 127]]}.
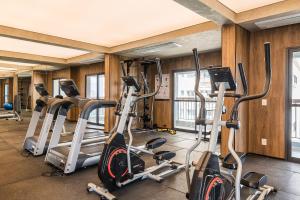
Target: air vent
{"points": [[280, 21], [156, 48]]}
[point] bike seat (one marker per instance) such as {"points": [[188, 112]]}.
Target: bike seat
{"points": [[254, 180], [230, 163], [155, 143], [164, 155]]}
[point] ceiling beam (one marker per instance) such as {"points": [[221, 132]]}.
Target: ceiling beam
{"points": [[6, 74], [206, 26], [31, 58], [210, 9], [277, 9], [49, 39]]}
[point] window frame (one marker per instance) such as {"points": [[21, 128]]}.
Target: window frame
{"points": [[97, 96]]}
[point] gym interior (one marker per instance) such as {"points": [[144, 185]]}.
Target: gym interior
{"points": [[150, 99]]}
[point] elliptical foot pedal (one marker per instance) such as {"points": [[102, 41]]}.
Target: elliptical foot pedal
{"points": [[230, 163], [155, 143], [254, 180], [164, 155]]}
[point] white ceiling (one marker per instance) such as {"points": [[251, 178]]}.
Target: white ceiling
{"points": [[243, 5], [21, 46], [102, 22], [204, 41]]}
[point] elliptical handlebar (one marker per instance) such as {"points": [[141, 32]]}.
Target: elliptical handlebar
{"points": [[268, 70], [202, 113], [123, 68], [159, 71], [145, 82], [243, 79]]}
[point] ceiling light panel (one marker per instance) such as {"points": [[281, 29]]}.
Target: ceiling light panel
{"points": [[3, 62], [22, 46], [101, 22], [244, 5], [7, 69]]}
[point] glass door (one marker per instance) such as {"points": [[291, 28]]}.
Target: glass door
{"points": [[293, 118], [185, 104], [95, 90]]}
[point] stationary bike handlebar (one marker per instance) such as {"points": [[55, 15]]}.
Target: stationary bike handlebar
{"points": [[158, 67], [268, 71], [202, 113]]}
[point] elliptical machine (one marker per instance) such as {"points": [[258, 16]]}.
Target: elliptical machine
{"points": [[120, 164], [209, 181]]}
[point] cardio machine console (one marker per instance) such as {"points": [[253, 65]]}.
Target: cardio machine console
{"points": [[40, 88], [220, 75], [69, 87]]}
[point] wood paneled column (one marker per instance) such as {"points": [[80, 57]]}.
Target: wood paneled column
{"points": [[235, 49], [112, 72], [15, 86], [10, 89]]}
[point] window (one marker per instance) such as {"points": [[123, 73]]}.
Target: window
{"points": [[95, 90], [186, 105], [56, 88], [6, 91]]}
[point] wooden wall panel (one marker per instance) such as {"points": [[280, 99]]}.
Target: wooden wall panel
{"points": [[15, 86], [242, 56], [11, 89], [228, 60], [269, 121], [112, 86], [235, 49], [163, 110], [24, 84]]}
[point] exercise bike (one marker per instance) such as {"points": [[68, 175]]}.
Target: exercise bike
{"points": [[120, 164], [210, 182]]}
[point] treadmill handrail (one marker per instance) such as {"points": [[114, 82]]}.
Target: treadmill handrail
{"points": [[94, 104], [57, 104]]}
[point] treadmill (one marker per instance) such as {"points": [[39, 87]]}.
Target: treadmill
{"points": [[38, 145], [32, 142], [85, 148], [15, 113]]}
